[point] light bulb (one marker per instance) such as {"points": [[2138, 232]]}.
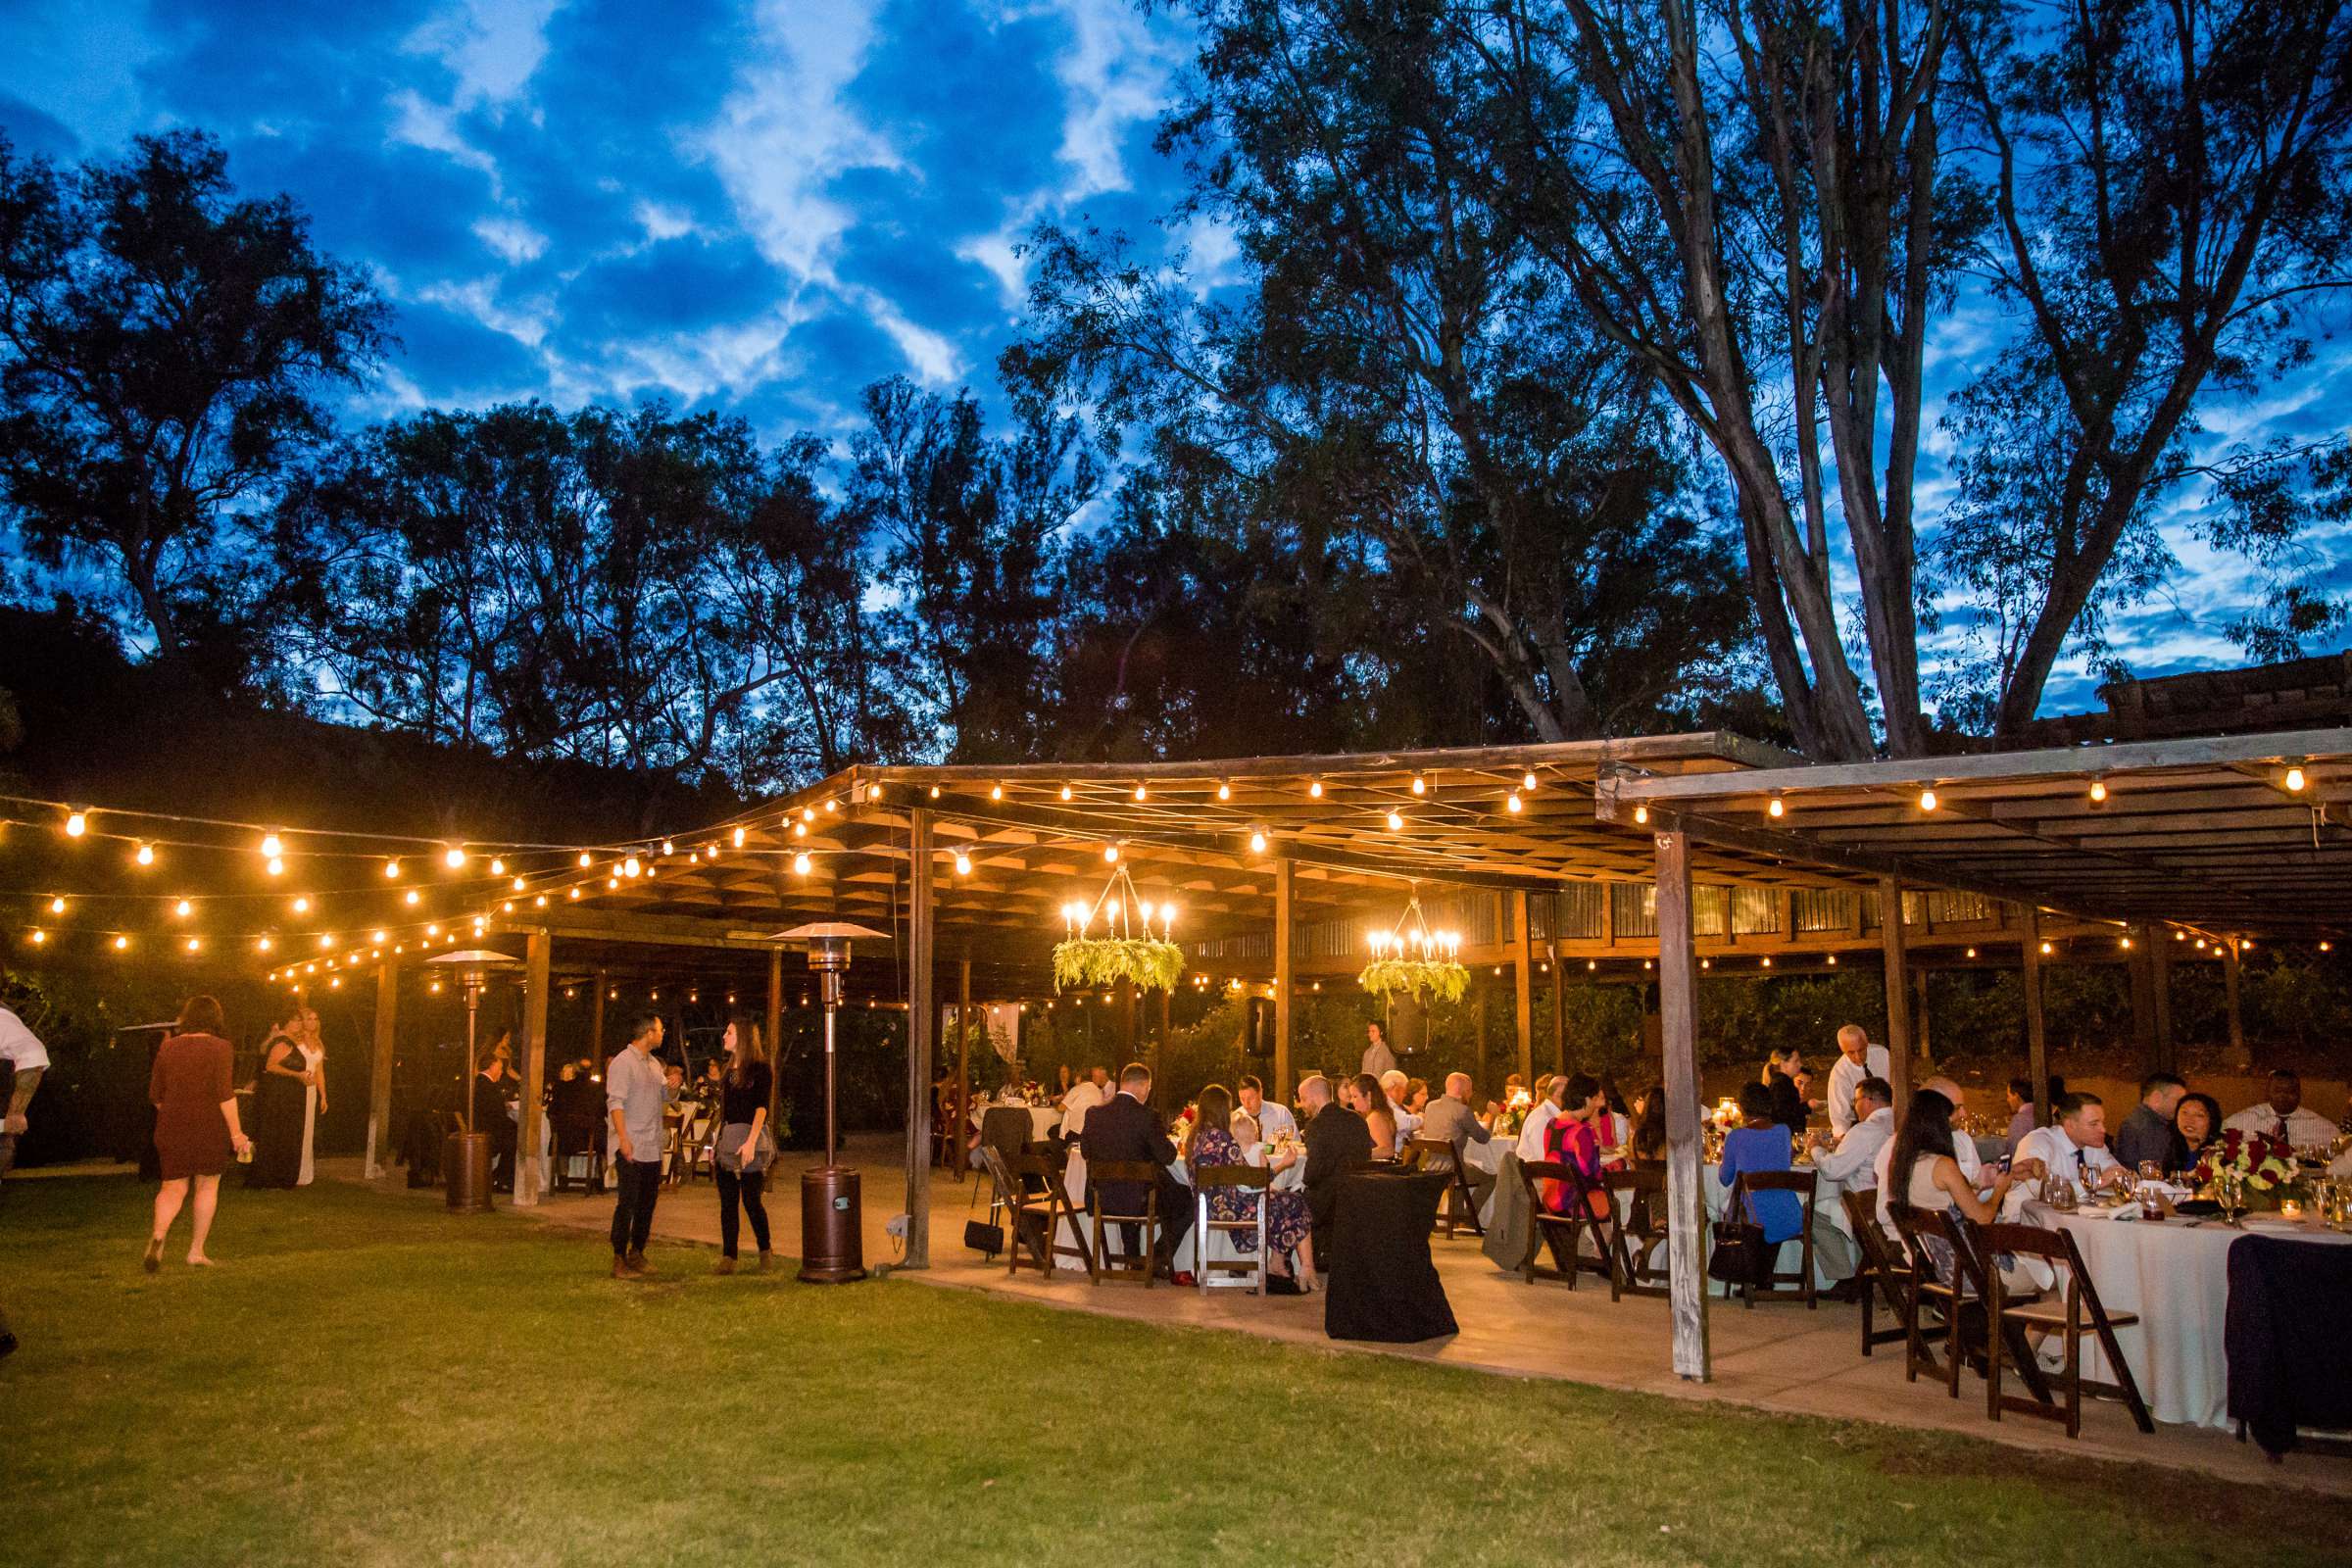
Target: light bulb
{"points": [[1396, 823], [1832, 961], [375, 936], [1224, 792], [76, 825], [738, 838], [586, 859], [1527, 781], [2098, 791], [57, 906], [963, 865], [121, 944], [799, 864], [1066, 792], [145, 854], [996, 792], [1513, 805], [1258, 844], [1778, 808], [392, 870], [518, 884], [272, 847], [276, 866], [667, 847], [1316, 790], [1420, 785], [498, 868], [2294, 778], [1926, 800], [195, 943], [631, 868], [325, 941], [1139, 791], [1110, 853], [264, 944], [39, 935], [1641, 813], [413, 898], [453, 857], [183, 908]]}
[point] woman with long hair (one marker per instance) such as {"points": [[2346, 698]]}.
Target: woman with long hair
{"points": [[1649, 1132], [279, 1095], [195, 1125], [746, 1147], [1289, 1228], [2196, 1122], [1372, 1103], [1925, 1168]]}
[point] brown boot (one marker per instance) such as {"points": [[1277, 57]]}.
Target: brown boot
{"points": [[622, 1269], [726, 1265], [638, 1264], [765, 1254]]}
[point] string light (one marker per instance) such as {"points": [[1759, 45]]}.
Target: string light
{"points": [[1972, 953], [183, 908], [2098, 792], [996, 792], [1420, 785], [1777, 809], [376, 937], [453, 857], [667, 847], [1527, 782], [1139, 791], [121, 944], [1396, 823], [738, 838], [1110, 853], [195, 943], [586, 860], [1832, 961], [1641, 813], [963, 865], [78, 825], [575, 892], [631, 868], [263, 945], [1316, 790], [57, 906], [2047, 949], [800, 830], [1926, 800], [2127, 941], [302, 905], [498, 868], [539, 903], [1257, 842], [2294, 778], [1768, 962], [276, 866], [518, 884], [39, 935], [799, 864], [272, 847], [391, 871], [144, 855], [414, 899], [1514, 804], [1066, 792]]}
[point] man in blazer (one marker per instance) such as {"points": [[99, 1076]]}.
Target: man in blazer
{"points": [[1125, 1128], [1337, 1142]]}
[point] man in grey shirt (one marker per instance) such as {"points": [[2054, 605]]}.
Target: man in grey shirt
{"points": [[1452, 1119], [636, 1093]]}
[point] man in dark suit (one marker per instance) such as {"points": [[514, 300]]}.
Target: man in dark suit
{"points": [[1125, 1128], [1337, 1142]]}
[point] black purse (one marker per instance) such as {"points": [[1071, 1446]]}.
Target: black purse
{"points": [[1739, 1256], [984, 1238]]}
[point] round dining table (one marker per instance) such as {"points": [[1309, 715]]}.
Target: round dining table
{"points": [[2175, 1274]]}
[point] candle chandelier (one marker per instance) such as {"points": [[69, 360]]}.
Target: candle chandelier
{"points": [[1126, 949], [1413, 960]]}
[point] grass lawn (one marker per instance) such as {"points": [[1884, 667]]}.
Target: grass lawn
{"points": [[371, 1381]]}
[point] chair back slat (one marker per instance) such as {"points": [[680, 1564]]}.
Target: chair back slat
{"points": [[1232, 1176]]}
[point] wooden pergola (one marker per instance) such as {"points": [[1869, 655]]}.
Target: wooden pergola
{"points": [[1613, 855]]}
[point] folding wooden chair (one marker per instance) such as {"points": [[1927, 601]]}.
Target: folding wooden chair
{"points": [[1933, 1281], [1037, 1212], [2065, 1316], [1460, 1211], [1637, 1198], [947, 1131], [1560, 1232], [1140, 1264], [1243, 1273], [1778, 1285], [1882, 1276]]}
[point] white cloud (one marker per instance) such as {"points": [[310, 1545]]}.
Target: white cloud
{"points": [[492, 47], [994, 252], [510, 237], [660, 222], [528, 324], [931, 356], [434, 127], [1115, 74]]}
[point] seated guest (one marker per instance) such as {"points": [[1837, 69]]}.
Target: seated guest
{"points": [[1416, 1096], [2074, 1148], [1925, 1158], [1573, 1139], [1127, 1129], [1648, 1146], [1289, 1226], [1395, 1085], [2283, 1116], [1613, 1123], [2021, 1110], [1788, 1099], [1533, 1132], [1964, 1150], [1081, 1098], [2146, 1134], [2196, 1122], [1851, 1161], [1450, 1120], [1273, 1121], [1760, 1143], [1369, 1102], [1335, 1143]]}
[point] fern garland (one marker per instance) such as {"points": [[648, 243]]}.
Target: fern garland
{"points": [[1089, 964], [1441, 978]]}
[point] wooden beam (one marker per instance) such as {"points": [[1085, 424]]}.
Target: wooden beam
{"points": [[1559, 1009], [538, 959], [1523, 988], [1919, 998], [1282, 982], [596, 1020], [2239, 1057], [923, 1023], [1677, 1016], [2038, 1046], [379, 1068], [1898, 1006]]}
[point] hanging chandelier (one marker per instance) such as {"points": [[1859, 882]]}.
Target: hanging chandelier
{"points": [[1126, 950], [1412, 959]]}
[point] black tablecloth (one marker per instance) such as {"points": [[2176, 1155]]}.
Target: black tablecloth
{"points": [[2290, 1315], [1383, 1285]]}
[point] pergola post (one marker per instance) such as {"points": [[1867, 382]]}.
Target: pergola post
{"points": [[1281, 981], [1898, 1003], [2160, 994], [776, 1033], [1523, 964], [2238, 1054], [1919, 986], [963, 1060], [1678, 1018], [1559, 1009], [595, 1022], [2037, 1046], [379, 1067], [538, 962], [922, 1022]]}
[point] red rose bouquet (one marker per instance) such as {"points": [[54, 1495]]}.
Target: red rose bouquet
{"points": [[2263, 1162]]}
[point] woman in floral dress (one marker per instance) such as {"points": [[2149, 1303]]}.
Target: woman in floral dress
{"points": [[1289, 1227]]}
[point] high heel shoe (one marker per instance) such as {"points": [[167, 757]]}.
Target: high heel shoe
{"points": [[154, 1259]]}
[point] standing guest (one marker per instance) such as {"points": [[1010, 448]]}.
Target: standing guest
{"points": [[313, 1044], [1761, 1143], [1395, 1086], [195, 1125], [1379, 1123], [491, 1087], [1289, 1228], [1535, 1132], [2196, 1122], [2020, 1094], [1378, 1058], [636, 1093], [2283, 1116], [1851, 1161], [1648, 1146], [1128, 1129], [1857, 1060], [20, 1052], [281, 1099], [2074, 1148], [745, 1149], [1777, 1064], [1450, 1119], [1336, 1145], [2146, 1134]]}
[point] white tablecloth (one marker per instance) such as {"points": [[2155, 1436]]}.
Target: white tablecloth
{"points": [[1043, 1119], [2176, 1277]]}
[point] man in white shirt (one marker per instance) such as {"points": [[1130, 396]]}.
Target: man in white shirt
{"points": [[1851, 1160], [23, 1051], [1084, 1096], [1379, 1059], [1857, 1060], [1393, 1084], [2284, 1115], [1550, 1092], [2073, 1148], [1964, 1151], [1272, 1121]]}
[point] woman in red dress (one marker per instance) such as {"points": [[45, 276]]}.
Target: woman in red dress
{"points": [[195, 1124]]}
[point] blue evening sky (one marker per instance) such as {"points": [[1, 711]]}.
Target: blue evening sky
{"points": [[755, 207]]}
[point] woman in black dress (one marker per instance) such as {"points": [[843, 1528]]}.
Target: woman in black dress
{"points": [[279, 1093], [745, 1147]]}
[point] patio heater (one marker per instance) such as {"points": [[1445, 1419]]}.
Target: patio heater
{"points": [[832, 1233], [466, 1155]]}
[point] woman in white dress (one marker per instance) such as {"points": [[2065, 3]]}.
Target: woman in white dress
{"points": [[314, 1058]]}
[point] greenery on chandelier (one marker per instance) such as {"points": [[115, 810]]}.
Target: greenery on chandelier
{"points": [[1089, 964]]}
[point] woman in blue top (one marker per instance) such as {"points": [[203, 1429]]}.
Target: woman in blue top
{"points": [[1762, 1145]]}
